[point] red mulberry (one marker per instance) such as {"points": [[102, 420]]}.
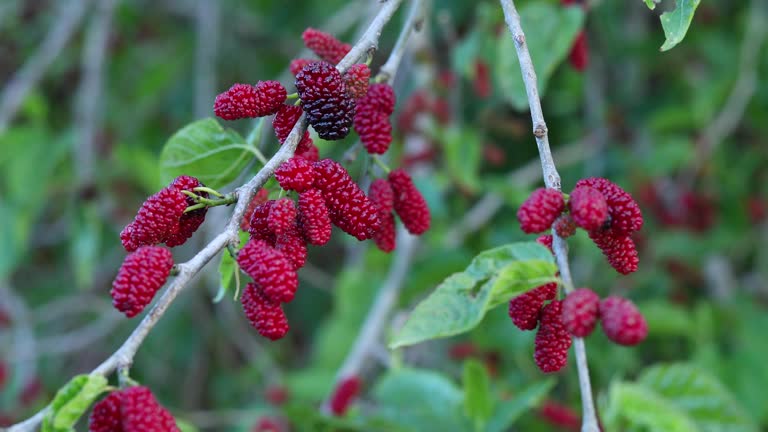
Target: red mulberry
{"points": [[247, 101], [139, 278], [356, 79], [381, 193], [524, 309], [588, 208], [325, 45], [410, 205], [372, 118], [386, 237], [622, 321], [295, 174], [134, 409], [561, 416], [619, 250], [344, 394], [311, 153], [266, 316], [283, 124], [324, 98], [157, 219], [270, 269], [298, 64], [624, 212], [552, 340], [259, 227], [282, 216], [545, 240], [259, 198], [189, 222], [314, 220], [564, 226], [540, 210], [348, 206], [380, 97], [293, 246], [581, 311]]}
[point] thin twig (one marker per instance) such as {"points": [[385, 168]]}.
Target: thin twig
{"points": [[551, 180], [412, 23], [65, 24], [123, 357]]}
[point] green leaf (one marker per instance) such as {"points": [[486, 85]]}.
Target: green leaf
{"points": [[72, 400], [228, 271], [461, 301], [205, 150], [693, 390], [508, 411], [651, 3], [642, 407], [421, 399], [478, 403], [463, 152], [676, 23], [549, 33]]}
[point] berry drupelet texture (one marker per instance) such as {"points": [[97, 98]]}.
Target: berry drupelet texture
{"points": [[349, 208], [282, 216], [266, 315], [330, 110], [381, 193], [581, 310], [247, 101], [134, 409], [546, 241], [564, 226], [622, 321], [588, 208], [140, 277], [624, 212], [292, 244], [191, 221], [356, 79], [157, 219], [259, 227], [344, 394], [283, 123], [314, 219], [540, 210], [270, 269], [325, 45], [525, 308], [619, 250], [552, 340], [372, 118], [410, 204], [295, 174], [298, 64], [259, 198]]}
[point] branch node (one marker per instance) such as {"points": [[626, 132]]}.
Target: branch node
{"points": [[520, 40], [540, 130]]}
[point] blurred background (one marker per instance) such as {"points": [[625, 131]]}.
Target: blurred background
{"points": [[90, 91]]}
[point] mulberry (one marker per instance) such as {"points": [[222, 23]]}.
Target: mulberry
{"points": [[588, 208], [552, 340], [270, 269], [564, 226], [247, 101], [624, 212], [191, 221], [282, 216], [259, 227], [525, 308], [266, 316], [386, 237], [140, 277], [579, 55], [482, 81], [283, 124], [344, 394], [356, 79], [622, 321], [298, 64], [581, 311], [134, 409], [381, 193], [325, 45], [380, 97], [295, 174], [545, 240], [259, 198], [619, 250], [410, 205], [311, 153], [293, 246], [372, 118], [540, 210], [561, 416], [314, 220], [157, 219], [324, 98], [348, 206]]}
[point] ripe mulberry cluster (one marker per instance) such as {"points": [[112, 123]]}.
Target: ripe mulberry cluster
{"points": [[248, 101], [372, 118], [606, 211], [524, 309], [552, 340], [134, 409], [265, 315], [324, 98], [161, 218], [270, 269], [142, 274], [283, 123], [410, 204]]}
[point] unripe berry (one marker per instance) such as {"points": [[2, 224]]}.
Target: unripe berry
{"points": [[270, 269], [622, 321], [356, 79], [564, 226], [134, 409], [540, 210], [282, 216], [525, 308], [247, 101], [140, 276], [266, 315], [325, 45], [552, 340], [344, 394], [588, 207], [410, 204], [314, 220], [581, 311], [295, 174]]}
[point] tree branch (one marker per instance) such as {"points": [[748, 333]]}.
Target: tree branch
{"points": [[413, 22], [123, 357], [551, 180]]}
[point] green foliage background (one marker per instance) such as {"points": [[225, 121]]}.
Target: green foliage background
{"points": [[637, 116]]}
